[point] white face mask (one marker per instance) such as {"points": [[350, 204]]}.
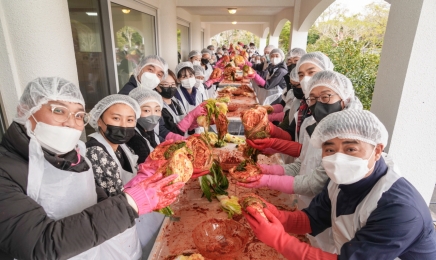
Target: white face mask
{"points": [[188, 83], [198, 82], [304, 84], [276, 60], [258, 62], [56, 139], [196, 63], [149, 80], [346, 169]]}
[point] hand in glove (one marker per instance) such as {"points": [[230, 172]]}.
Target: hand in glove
{"points": [[277, 132], [212, 81], [274, 145], [154, 193], [259, 80], [276, 117], [281, 183], [272, 233], [191, 118], [272, 169]]}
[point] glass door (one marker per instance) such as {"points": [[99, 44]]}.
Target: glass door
{"points": [[183, 41], [134, 36]]}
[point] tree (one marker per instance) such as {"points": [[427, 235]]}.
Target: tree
{"points": [[284, 37]]}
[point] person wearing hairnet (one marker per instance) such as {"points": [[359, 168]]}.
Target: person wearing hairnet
{"points": [[206, 56], [264, 65], [146, 136], [219, 54], [149, 72], [270, 82], [373, 211], [50, 203], [199, 79], [330, 92], [176, 121], [294, 56], [195, 57]]}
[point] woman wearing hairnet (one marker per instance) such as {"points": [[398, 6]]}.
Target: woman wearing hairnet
{"points": [[189, 96], [115, 118], [206, 56], [195, 58], [149, 72], [199, 79], [271, 81], [176, 122], [330, 92], [373, 212], [146, 136], [50, 203]]}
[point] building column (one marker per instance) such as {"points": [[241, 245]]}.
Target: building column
{"points": [[297, 39], [405, 91], [195, 28], [262, 45], [207, 35], [167, 17], [274, 40], [35, 41]]}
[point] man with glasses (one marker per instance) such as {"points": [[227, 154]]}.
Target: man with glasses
{"points": [[329, 92], [49, 203]]}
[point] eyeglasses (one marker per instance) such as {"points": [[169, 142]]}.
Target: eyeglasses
{"points": [[323, 99], [61, 114], [168, 86]]}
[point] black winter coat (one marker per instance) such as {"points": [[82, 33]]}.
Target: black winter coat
{"points": [[26, 230], [131, 85], [278, 73]]}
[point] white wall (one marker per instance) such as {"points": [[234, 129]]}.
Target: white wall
{"points": [[32, 46], [405, 90]]}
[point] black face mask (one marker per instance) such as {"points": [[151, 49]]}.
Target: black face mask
{"points": [[290, 67], [298, 92], [205, 61], [321, 110], [167, 92], [118, 134]]}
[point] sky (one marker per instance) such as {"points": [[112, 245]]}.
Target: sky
{"points": [[356, 6]]}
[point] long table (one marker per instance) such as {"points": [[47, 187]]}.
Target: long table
{"points": [[175, 237]]}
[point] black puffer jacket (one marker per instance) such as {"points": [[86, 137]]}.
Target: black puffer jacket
{"points": [[277, 73], [131, 85], [26, 230]]}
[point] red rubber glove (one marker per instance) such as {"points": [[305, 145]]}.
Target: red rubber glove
{"points": [[154, 193], [274, 145], [198, 173], [277, 132], [295, 222], [281, 183], [272, 233], [277, 108], [276, 117]]}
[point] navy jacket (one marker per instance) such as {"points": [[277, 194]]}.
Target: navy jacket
{"points": [[400, 226], [131, 85]]}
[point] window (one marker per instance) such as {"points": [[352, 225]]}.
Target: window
{"points": [[183, 47]]}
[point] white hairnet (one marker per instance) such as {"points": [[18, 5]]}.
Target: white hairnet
{"points": [[269, 47], [219, 50], [107, 102], [151, 60], [210, 46], [297, 52], [198, 71], [144, 96], [182, 65], [42, 90], [293, 75], [279, 51], [359, 125], [334, 81], [194, 53], [318, 59], [203, 51]]}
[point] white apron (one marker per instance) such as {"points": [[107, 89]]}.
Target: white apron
{"points": [[63, 193], [288, 97], [345, 226], [177, 118], [188, 107], [146, 224], [293, 108]]}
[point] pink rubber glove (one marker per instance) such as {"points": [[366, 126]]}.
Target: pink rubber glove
{"points": [[277, 132], [275, 145], [174, 136], [282, 183], [191, 118], [145, 170], [276, 116], [271, 232], [272, 169], [154, 193], [277, 108], [212, 81], [259, 80]]}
